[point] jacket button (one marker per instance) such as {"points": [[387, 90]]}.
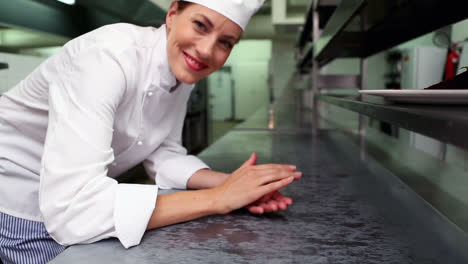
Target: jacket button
{"points": [[150, 94], [139, 143]]}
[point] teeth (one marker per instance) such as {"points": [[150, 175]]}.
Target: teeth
{"points": [[193, 61]]}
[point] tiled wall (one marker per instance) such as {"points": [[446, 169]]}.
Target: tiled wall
{"points": [[19, 67]]}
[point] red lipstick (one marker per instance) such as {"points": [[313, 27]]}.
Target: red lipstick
{"points": [[193, 63]]}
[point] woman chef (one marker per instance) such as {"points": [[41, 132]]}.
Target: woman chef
{"points": [[107, 101]]}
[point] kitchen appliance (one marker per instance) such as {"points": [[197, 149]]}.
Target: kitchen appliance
{"points": [[421, 68]]}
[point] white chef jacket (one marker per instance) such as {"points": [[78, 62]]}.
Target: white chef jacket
{"points": [[89, 113]]}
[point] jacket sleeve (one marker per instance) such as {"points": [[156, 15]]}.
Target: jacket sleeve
{"points": [[78, 202], [169, 165]]}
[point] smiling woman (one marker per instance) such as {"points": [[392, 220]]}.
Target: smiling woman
{"points": [[109, 100], [199, 41]]}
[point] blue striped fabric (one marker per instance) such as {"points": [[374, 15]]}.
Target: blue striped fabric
{"points": [[24, 241]]}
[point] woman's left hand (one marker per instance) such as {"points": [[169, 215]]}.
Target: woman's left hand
{"points": [[270, 202]]}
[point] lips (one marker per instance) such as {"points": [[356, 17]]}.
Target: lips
{"points": [[193, 63]]}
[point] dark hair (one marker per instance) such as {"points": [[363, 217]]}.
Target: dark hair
{"points": [[182, 5]]}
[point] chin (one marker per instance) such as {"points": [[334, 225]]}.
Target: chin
{"points": [[187, 79]]}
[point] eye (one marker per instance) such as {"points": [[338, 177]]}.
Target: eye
{"points": [[227, 44], [200, 25]]}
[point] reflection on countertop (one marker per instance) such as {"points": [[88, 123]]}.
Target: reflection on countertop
{"points": [[344, 211]]}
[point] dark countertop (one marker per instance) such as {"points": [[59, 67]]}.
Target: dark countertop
{"points": [[344, 211]]}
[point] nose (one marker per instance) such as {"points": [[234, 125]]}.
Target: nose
{"points": [[206, 47]]}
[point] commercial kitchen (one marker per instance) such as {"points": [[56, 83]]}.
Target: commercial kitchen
{"points": [[367, 98]]}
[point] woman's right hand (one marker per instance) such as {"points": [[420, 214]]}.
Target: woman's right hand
{"points": [[250, 182]]}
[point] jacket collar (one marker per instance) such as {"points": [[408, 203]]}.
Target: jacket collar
{"points": [[162, 74]]}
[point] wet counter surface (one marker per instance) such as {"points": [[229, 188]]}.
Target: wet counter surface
{"points": [[344, 211]]}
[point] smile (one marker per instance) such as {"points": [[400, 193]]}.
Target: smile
{"points": [[194, 64]]}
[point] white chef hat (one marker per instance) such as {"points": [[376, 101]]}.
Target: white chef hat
{"points": [[239, 11]]}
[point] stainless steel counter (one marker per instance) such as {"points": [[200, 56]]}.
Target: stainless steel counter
{"points": [[344, 211]]}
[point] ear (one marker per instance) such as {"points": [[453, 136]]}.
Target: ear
{"points": [[171, 13]]}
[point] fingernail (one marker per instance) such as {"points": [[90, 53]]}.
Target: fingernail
{"points": [[297, 173], [292, 167]]}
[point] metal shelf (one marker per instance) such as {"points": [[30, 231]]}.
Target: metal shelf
{"points": [[305, 35], [447, 123], [386, 23], [325, 8], [305, 63], [333, 36]]}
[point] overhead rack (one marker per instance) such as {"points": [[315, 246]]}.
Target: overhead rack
{"points": [[304, 42], [387, 23], [361, 28]]}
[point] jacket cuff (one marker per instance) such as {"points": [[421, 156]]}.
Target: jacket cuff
{"points": [[175, 173], [134, 205]]}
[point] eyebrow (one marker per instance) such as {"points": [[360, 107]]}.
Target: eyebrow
{"points": [[208, 21]]}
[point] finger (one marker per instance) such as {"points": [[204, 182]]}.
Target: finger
{"points": [[273, 206], [255, 209], [270, 171], [266, 171], [251, 161], [287, 200], [266, 178], [273, 186], [282, 205], [281, 201], [297, 175], [276, 166], [266, 207], [279, 197]]}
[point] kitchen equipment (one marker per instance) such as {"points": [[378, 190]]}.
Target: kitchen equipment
{"points": [[421, 68], [3, 65]]}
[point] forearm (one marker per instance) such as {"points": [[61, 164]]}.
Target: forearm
{"points": [[182, 206], [188, 205], [227, 192], [206, 179]]}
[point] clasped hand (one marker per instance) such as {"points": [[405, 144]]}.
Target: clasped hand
{"points": [[256, 187]]}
